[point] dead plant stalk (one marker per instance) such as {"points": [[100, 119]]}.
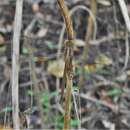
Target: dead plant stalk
{"points": [[68, 55], [88, 36], [15, 63]]}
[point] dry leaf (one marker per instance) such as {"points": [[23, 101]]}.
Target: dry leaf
{"points": [[90, 68], [104, 2], [108, 124], [79, 43], [56, 68], [128, 72], [42, 32], [102, 60], [122, 77]]}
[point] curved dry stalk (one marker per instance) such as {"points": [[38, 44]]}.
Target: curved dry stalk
{"points": [[15, 63], [87, 39], [127, 53], [72, 11], [88, 36], [125, 13]]}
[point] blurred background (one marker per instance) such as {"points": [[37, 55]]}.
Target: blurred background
{"points": [[105, 90]]}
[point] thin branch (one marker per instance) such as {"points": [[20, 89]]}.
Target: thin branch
{"points": [[113, 107], [15, 63]]}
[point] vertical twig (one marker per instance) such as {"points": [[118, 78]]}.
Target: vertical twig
{"points": [[15, 63], [68, 70]]}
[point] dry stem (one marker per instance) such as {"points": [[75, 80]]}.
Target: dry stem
{"points": [[68, 70], [15, 63], [65, 12], [34, 79]]}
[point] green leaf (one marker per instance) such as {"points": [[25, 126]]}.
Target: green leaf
{"points": [[51, 45], [105, 72], [46, 110], [6, 109], [60, 120], [53, 94], [30, 93], [76, 88], [74, 122], [45, 101], [114, 92], [78, 72], [25, 51], [2, 48]]}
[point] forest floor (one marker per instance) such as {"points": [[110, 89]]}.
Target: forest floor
{"points": [[105, 92]]}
